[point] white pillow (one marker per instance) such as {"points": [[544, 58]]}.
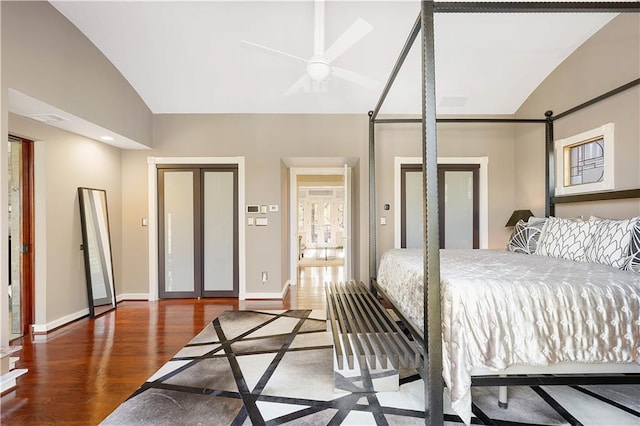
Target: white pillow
{"points": [[564, 238], [609, 242]]}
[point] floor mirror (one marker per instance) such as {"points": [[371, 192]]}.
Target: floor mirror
{"points": [[96, 246]]}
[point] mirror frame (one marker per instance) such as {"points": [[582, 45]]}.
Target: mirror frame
{"points": [[96, 247]]}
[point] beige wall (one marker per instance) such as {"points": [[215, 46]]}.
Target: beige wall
{"points": [[606, 61], [495, 141], [46, 57], [264, 140], [63, 162]]}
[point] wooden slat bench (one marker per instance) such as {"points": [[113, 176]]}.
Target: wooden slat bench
{"points": [[369, 347]]}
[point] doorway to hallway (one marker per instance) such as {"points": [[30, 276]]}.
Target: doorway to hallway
{"points": [[320, 223]]}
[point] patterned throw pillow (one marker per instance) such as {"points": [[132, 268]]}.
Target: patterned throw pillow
{"points": [[634, 250], [609, 242], [564, 238], [525, 235], [518, 241]]}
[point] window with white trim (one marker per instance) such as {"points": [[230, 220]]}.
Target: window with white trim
{"points": [[585, 162]]}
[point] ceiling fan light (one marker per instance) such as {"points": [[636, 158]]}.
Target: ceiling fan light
{"points": [[318, 71]]}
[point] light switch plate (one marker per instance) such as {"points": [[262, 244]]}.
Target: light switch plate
{"points": [[263, 209], [261, 221], [250, 221], [273, 207]]}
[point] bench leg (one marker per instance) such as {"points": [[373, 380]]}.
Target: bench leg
{"points": [[502, 397], [363, 378]]}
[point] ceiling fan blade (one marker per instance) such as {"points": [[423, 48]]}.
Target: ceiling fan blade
{"points": [[279, 52], [318, 28], [299, 84], [356, 78], [351, 36]]}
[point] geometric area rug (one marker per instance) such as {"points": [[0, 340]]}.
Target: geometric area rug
{"points": [[276, 367]]}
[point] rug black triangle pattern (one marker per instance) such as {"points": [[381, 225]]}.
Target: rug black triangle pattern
{"points": [[276, 367]]}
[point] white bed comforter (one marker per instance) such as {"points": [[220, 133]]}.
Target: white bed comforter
{"points": [[501, 308]]}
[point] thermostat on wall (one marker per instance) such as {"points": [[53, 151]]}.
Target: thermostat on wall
{"points": [[252, 208]]}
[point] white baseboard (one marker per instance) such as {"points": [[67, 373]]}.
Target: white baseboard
{"points": [[8, 380], [132, 296], [280, 295], [44, 328], [249, 296]]}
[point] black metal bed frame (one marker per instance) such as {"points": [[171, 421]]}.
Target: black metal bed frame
{"points": [[424, 25]]}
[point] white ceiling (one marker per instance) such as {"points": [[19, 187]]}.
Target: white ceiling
{"points": [[187, 57]]}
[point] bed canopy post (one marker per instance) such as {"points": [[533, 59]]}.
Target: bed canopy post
{"points": [[372, 202], [550, 167], [433, 386]]}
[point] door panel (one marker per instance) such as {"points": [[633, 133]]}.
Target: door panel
{"points": [[178, 234], [458, 209], [413, 210], [220, 216]]}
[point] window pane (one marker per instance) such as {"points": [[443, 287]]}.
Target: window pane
{"points": [[314, 222], [587, 162], [301, 216]]}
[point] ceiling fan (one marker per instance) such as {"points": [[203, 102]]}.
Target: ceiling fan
{"points": [[319, 66]]}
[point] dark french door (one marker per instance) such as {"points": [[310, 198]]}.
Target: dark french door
{"points": [[459, 205], [198, 231]]}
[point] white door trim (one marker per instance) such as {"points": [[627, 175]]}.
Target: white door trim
{"points": [[348, 237], [294, 172], [484, 192], [153, 215]]}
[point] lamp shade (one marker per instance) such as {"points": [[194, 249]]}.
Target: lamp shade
{"points": [[517, 215]]}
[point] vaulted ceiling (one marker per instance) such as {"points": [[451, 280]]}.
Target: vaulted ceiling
{"points": [[188, 56]]}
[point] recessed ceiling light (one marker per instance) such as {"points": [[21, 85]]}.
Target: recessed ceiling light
{"points": [[106, 138]]}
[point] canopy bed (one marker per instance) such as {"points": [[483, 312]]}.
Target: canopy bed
{"points": [[447, 278]]}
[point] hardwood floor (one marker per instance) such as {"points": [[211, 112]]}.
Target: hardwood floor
{"points": [[81, 372]]}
